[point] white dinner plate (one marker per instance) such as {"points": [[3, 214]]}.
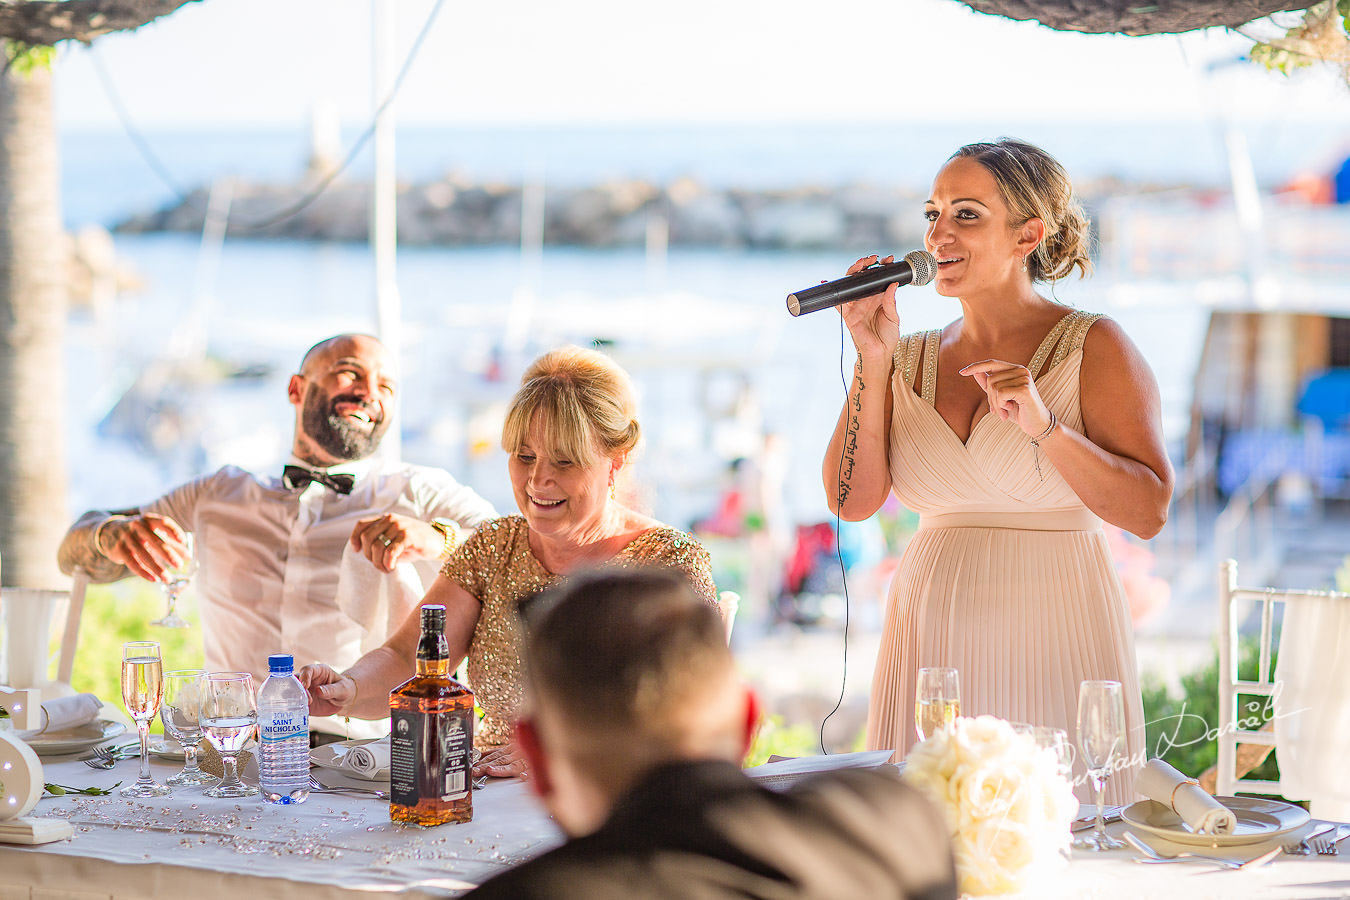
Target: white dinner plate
{"points": [[329, 756], [1258, 821], [169, 750], [73, 740]]}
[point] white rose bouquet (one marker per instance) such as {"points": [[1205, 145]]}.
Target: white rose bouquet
{"points": [[1008, 806]]}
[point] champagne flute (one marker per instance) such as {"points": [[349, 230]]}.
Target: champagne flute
{"points": [[142, 692], [175, 580], [937, 700], [180, 717], [1101, 737], [228, 714]]}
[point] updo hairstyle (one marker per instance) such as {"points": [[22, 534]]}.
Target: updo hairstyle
{"points": [[583, 402], [1035, 186]]}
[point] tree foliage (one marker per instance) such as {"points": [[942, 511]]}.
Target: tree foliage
{"points": [[1321, 36], [47, 22], [23, 59]]}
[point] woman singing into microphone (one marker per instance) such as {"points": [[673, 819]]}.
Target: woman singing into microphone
{"points": [[1014, 432]]}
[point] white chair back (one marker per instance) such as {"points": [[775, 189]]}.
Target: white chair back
{"points": [[1234, 605], [28, 616]]}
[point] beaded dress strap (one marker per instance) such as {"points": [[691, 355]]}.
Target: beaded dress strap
{"points": [[906, 357], [1074, 335], [906, 360], [930, 361], [1048, 343]]}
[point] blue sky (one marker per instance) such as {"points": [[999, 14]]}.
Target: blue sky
{"points": [[238, 63]]}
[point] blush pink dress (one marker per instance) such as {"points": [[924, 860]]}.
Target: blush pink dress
{"points": [[1009, 578]]}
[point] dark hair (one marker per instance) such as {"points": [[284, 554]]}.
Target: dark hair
{"points": [[620, 648]]}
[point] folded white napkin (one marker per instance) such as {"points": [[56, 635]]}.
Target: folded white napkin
{"points": [[369, 760], [1160, 781], [66, 712]]}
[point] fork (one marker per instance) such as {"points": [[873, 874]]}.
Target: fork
{"points": [[317, 786], [103, 757], [1304, 847], [1327, 846], [1157, 856]]}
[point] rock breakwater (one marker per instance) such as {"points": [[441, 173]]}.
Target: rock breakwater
{"points": [[614, 214]]}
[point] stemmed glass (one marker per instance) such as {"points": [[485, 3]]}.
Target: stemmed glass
{"points": [[937, 700], [228, 716], [180, 717], [142, 692], [176, 579], [1101, 737], [1054, 740]]}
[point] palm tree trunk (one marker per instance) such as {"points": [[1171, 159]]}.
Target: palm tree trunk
{"points": [[33, 265]]}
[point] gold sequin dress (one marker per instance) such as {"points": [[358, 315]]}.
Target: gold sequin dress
{"points": [[496, 566], [1009, 578]]}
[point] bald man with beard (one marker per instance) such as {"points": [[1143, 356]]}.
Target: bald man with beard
{"points": [[271, 548]]}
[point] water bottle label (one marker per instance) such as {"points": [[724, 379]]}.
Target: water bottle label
{"points": [[284, 726]]}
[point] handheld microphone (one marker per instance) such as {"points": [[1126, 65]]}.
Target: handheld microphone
{"points": [[918, 268]]}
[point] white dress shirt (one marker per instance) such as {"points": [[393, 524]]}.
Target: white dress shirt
{"points": [[270, 560]]}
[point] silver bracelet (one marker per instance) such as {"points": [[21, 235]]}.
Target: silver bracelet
{"points": [[1054, 420], [1036, 444]]}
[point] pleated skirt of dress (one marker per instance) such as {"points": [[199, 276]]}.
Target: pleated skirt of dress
{"points": [[1024, 616]]}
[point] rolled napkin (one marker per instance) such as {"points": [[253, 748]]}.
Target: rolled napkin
{"points": [[369, 760], [1161, 782], [66, 712]]}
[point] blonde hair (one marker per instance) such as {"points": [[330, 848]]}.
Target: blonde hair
{"points": [[583, 402], [1034, 185]]}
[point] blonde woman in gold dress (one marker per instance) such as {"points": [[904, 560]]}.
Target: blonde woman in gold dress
{"points": [[569, 431]]}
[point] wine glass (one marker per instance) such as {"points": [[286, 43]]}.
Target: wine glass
{"points": [[228, 714], [1101, 737], [142, 692], [937, 700], [1053, 739], [175, 580], [180, 717]]}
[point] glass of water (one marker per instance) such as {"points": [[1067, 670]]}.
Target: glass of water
{"points": [[228, 716]]}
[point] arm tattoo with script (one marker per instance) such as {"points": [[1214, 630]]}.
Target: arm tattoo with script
{"points": [[847, 461]]}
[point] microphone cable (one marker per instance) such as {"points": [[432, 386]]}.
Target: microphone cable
{"points": [[838, 546]]}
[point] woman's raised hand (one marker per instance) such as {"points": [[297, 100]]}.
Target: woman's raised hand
{"points": [[1012, 394], [872, 320]]}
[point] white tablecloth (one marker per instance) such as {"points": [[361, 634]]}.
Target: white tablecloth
{"points": [[337, 846], [332, 845]]}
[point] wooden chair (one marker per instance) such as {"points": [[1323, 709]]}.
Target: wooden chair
{"points": [[1233, 763]]}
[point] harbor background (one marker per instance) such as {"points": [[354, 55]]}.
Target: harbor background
{"points": [[185, 370]]}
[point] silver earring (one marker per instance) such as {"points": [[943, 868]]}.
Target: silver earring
{"points": [[1024, 264]]}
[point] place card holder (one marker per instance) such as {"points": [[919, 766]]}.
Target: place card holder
{"points": [[21, 785]]}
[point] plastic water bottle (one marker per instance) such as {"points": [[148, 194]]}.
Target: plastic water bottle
{"points": [[283, 733]]}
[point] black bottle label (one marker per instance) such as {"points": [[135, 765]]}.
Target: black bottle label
{"points": [[429, 755]]}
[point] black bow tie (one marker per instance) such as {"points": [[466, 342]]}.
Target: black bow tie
{"points": [[298, 478]]}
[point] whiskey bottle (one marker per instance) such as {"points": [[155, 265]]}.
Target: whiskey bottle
{"points": [[431, 736]]}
